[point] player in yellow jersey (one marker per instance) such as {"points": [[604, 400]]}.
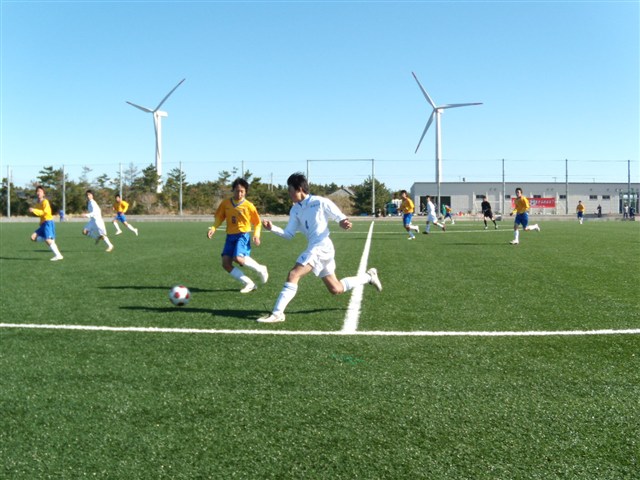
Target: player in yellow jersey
{"points": [[240, 214], [580, 211], [407, 207], [46, 232], [121, 208], [522, 216]]}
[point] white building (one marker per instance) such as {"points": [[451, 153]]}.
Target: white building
{"points": [[552, 198]]}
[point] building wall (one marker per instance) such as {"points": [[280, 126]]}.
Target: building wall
{"points": [[466, 196]]}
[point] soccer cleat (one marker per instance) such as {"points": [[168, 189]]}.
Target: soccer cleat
{"points": [[110, 249], [375, 281], [57, 258], [514, 242], [411, 238], [496, 227], [425, 232], [264, 274], [485, 227], [273, 318], [119, 232], [135, 230], [249, 287], [444, 229]]}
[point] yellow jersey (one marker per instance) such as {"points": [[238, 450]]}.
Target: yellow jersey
{"points": [[43, 210], [407, 206], [580, 207], [239, 217], [522, 205], [121, 206]]}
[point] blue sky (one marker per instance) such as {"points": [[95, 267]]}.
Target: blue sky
{"points": [[270, 85]]}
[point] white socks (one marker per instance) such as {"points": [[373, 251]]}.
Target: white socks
{"points": [[252, 264], [289, 291], [238, 275], [516, 235], [117, 228], [54, 248], [349, 283]]}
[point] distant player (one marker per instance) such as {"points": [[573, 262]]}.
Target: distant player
{"points": [[310, 215], [447, 214], [95, 227], [432, 217], [487, 212], [407, 208], [240, 214], [580, 211], [522, 216], [121, 208], [46, 232]]}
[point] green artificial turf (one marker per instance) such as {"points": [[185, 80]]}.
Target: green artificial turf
{"points": [[102, 404]]}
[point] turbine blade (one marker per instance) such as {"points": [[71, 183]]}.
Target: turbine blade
{"points": [[424, 132], [454, 105], [165, 98], [424, 92], [144, 109]]}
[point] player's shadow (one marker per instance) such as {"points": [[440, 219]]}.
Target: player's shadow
{"points": [[20, 259], [164, 287], [249, 315]]}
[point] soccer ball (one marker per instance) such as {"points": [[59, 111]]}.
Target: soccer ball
{"points": [[179, 295]]}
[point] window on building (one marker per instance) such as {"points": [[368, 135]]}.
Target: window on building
{"points": [[479, 197], [537, 196], [507, 196], [606, 197], [593, 197], [563, 197]]}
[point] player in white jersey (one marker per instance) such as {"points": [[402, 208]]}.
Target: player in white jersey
{"points": [[310, 215], [432, 217], [95, 227]]}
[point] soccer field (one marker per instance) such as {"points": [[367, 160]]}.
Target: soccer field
{"points": [[478, 359]]}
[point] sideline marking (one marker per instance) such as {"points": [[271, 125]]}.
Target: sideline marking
{"points": [[353, 310], [373, 333]]}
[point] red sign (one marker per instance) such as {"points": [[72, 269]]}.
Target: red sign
{"points": [[549, 202]]}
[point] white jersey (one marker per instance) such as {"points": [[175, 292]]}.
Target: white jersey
{"points": [[95, 226], [311, 217], [431, 212], [94, 209]]}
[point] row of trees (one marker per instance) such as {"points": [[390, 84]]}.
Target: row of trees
{"points": [[139, 188]]}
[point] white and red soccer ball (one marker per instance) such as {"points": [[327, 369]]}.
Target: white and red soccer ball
{"points": [[179, 295]]}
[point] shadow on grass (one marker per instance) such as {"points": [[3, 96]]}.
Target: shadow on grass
{"points": [[166, 287], [249, 315]]}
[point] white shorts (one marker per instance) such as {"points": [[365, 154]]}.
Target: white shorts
{"points": [[96, 228], [432, 218], [321, 258]]}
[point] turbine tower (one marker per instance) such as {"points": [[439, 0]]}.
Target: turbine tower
{"points": [[157, 124], [437, 113]]}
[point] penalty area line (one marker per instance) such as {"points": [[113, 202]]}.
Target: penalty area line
{"points": [[379, 333]]}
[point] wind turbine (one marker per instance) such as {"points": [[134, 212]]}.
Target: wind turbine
{"points": [[157, 124], [437, 113]]}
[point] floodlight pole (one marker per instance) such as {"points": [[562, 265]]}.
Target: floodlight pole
{"points": [[8, 191], [180, 195], [120, 182], [64, 193], [566, 185], [504, 190]]}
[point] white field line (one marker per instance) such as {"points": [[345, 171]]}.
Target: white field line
{"points": [[630, 331], [353, 311]]}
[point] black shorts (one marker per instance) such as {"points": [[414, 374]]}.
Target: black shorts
{"points": [[488, 214]]}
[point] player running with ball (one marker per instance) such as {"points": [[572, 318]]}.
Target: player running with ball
{"points": [[240, 214], [310, 215], [522, 216]]}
